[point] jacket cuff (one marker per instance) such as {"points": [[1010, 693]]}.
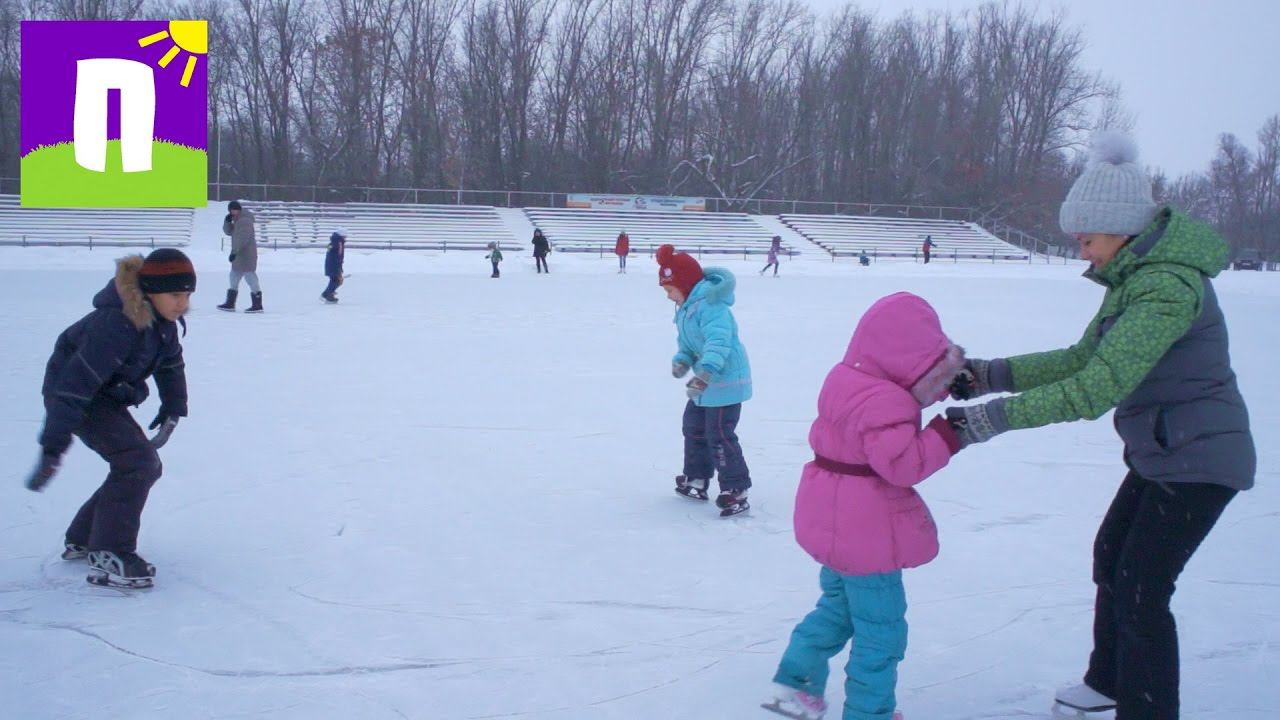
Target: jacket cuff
{"points": [[940, 425], [1000, 376], [997, 419]]}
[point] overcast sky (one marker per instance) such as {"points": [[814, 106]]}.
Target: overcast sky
{"points": [[1189, 69]]}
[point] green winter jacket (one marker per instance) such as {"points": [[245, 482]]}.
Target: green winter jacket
{"points": [[1157, 353], [494, 256]]}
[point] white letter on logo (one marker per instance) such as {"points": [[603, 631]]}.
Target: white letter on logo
{"points": [[137, 89]]}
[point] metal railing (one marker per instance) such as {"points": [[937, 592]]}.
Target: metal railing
{"points": [[89, 242]]}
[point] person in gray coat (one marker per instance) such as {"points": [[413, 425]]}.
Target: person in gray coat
{"points": [[238, 224]]}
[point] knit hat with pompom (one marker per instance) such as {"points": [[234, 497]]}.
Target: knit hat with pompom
{"points": [[678, 269], [1113, 194]]}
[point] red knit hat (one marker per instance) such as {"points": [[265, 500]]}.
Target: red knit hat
{"points": [[678, 269]]}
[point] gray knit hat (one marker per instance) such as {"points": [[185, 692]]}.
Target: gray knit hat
{"points": [[1112, 195]]}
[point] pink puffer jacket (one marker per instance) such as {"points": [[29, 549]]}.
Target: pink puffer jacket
{"points": [[867, 518]]}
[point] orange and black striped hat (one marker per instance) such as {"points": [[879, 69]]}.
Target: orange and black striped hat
{"points": [[167, 270]]}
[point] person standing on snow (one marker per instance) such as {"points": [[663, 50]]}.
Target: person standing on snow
{"points": [[927, 248], [707, 343], [238, 224], [774, 248], [333, 264], [98, 369], [541, 246], [857, 512], [494, 257], [1156, 352], [622, 248]]}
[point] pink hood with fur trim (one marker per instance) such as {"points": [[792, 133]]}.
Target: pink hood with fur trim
{"points": [[869, 415]]}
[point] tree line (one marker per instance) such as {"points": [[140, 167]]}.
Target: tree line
{"points": [[733, 99]]}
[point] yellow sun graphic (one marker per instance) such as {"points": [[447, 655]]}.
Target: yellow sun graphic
{"points": [[189, 35]]}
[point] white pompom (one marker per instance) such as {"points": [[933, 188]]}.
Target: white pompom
{"points": [[1114, 147]]}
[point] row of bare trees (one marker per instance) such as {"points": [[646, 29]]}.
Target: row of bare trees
{"points": [[1239, 193], [724, 98]]}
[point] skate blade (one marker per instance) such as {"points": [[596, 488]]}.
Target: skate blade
{"points": [[776, 707], [102, 579], [1067, 710], [734, 511], [692, 494]]}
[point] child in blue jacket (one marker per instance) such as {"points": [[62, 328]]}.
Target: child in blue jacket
{"points": [[333, 264], [98, 369], [708, 344]]}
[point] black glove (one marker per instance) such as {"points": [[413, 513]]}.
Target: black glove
{"points": [[231, 257], [127, 393], [981, 377], [697, 385], [44, 472], [227, 219], [679, 369], [166, 422], [978, 423]]}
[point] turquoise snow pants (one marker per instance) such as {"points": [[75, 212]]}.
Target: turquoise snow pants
{"points": [[869, 609]]}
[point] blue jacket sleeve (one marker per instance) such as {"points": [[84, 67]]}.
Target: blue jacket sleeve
{"points": [[107, 340], [716, 323]]}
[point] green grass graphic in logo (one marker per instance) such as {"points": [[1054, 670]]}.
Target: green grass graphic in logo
{"points": [[51, 178]]}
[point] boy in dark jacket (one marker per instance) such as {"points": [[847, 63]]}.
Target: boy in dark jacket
{"points": [[99, 368], [333, 264]]}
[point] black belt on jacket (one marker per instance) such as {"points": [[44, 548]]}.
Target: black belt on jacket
{"points": [[841, 468]]}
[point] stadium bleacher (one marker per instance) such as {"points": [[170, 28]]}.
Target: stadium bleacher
{"points": [[571, 230], [380, 225], [850, 235], [92, 227]]}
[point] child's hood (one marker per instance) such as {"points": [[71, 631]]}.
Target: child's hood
{"points": [[125, 293], [898, 339], [717, 286]]}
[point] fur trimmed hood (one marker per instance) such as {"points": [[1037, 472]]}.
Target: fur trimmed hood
{"points": [[124, 292]]}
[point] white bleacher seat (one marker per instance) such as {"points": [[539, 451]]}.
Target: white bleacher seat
{"points": [[92, 227], [849, 235], [379, 225], [573, 230]]}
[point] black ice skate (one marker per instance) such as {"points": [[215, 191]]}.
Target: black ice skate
{"points": [[329, 298], [692, 488], [72, 551], [121, 570], [732, 502]]}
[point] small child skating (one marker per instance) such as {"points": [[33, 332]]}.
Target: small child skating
{"points": [[857, 512], [495, 257], [98, 369], [774, 248], [333, 264], [707, 342]]}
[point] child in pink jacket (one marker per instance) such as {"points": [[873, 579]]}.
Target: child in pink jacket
{"points": [[857, 512]]}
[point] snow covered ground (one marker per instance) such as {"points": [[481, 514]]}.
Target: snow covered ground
{"points": [[450, 497]]}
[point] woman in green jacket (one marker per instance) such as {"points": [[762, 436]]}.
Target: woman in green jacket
{"points": [[1156, 353]]}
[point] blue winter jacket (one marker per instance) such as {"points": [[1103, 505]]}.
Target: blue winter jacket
{"points": [[108, 355], [333, 258], [707, 336]]}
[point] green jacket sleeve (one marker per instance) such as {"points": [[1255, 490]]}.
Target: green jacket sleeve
{"points": [[1044, 368], [1158, 309]]}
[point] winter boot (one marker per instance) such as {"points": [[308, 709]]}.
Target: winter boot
{"points": [[732, 502], [795, 704], [1084, 699], [256, 305], [72, 551], [122, 570], [230, 304], [692, 488]]}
